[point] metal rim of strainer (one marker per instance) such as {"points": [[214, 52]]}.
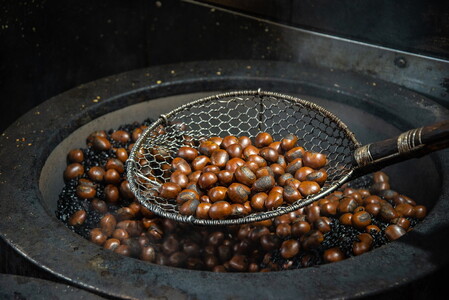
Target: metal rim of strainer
{"points": [[165, 119]]}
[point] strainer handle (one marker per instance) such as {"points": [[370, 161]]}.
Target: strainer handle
{"points": [[413, 143]]}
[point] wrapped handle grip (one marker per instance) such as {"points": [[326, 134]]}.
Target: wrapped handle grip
{"points": [[413, 143]]}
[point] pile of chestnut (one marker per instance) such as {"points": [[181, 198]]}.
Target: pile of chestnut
{"points": [[233, 176]]}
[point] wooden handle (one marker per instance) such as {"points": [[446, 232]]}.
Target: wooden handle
{"points": [[413, 143]]}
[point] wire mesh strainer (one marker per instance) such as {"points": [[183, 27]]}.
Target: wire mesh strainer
{"points": [[249, 113]]}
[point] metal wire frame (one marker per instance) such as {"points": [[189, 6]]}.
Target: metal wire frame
{"points": [[319, 129]]}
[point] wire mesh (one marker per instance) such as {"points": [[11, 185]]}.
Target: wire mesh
{"points": [[241, 113]]}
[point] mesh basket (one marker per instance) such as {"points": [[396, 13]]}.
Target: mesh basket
{"points": [[241, 113]]}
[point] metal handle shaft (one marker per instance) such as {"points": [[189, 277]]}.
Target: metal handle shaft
{"points": [[413, 143]]}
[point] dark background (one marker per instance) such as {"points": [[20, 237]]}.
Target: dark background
{"points": [[48, 47]]}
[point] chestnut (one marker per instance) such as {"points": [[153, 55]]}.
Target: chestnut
{"points": [[187, 153], [238, 193], [207, 180], [263, 139], [244, 175], [219, 158]]}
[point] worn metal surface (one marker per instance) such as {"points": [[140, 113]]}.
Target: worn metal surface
{"points": [[419, 27], [425, 74], [21, 287], [51, 46], [29, 226]]}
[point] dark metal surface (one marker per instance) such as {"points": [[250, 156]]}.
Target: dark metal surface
{"points": [[418, 27], [20, 287], [28, 226], [424, 74], [51, 46]]}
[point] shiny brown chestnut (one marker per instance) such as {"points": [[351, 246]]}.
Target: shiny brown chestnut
{"points": [[283, 230], [289, 142], [329, 208], [216, 139], [289, 248], [276, 146], [187, 153], [207, 180], [300, 228], [420, 211], [136, 134], [238, 193], [263, 139], [244, 141], [96, 173], [265, 171], [307, 188], [269, 154], [182, 165], [274, 200], [373, 208], [314, 160], [234, 163], [405, 209], [294, 153], [235, 150], [320, 176], [97, 236], [301, 173], [291, 194], [77, 218], [121, 136], [189, 207], [245, 176], [283, 178], [258, 201], [75, 156], [263, 184], [393, 232], [111, 193], [202, 210], [207, 147], [101, 143], [294, 166], [250, 150], [200, 162], [333, 255], [99, 205], [361, 219], [180, 179], [323, 224], [277, 169], [347, 204], [211, 168], [108, 224], [186, 195], [85, 191], [346, 218], [93, 135], [73, 170], [228, 141], [218, 193], [111, 244], [125, 190], [219, 158], [170, 190], [225, 177], [112, 176], [194, 176], [220, 210], [238, 210]]}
